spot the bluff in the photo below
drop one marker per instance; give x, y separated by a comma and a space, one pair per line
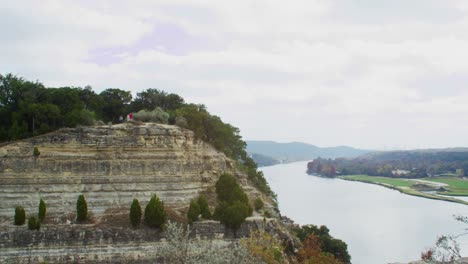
110, 165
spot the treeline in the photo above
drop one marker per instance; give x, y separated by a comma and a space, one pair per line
403, 164
29, 109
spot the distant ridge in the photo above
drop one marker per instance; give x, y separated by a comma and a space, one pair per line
298, 151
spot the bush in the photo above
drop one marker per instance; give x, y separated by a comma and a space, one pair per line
193, 211
264, 247
157, 116
42, 210
233, 204
33, 223
20, 216
81, 209
135, 213
154, 212
258, 204
36, 152
204, 208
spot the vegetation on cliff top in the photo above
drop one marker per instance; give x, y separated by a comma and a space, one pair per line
29, 109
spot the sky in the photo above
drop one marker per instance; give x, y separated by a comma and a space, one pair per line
371, 74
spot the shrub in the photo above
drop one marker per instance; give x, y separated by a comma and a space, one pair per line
154, 212
180, 121
20, 216
204, 208
193, 212
258, 204
264, 247
157, 116
42, 210
135, 213
33, 223
233, 204
81, 208
36, 152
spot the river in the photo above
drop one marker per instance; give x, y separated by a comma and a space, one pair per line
379, 225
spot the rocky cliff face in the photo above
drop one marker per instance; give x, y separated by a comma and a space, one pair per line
110, 165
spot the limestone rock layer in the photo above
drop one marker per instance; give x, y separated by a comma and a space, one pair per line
110, 165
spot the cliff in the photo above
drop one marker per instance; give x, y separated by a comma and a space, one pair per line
110, 165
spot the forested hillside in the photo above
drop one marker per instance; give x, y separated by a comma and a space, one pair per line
28, 108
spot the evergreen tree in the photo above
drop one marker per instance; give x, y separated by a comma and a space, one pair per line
135, 213
204, 208
42, 210
81, 208
154, 212
33, 223
20, 216
193, 212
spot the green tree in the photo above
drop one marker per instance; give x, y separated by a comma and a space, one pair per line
116, 103
36, 152
204, 208
33, 223
193, 211
258, 204
233, 204
135, 213
20, 216
81, 208
42, 210
155, 216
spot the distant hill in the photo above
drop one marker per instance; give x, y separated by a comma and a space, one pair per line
297, 151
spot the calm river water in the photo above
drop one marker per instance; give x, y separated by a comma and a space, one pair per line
379, 225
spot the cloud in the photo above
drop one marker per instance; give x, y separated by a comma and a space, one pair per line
326, 72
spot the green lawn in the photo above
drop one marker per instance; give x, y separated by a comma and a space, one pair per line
457, 186
385, 180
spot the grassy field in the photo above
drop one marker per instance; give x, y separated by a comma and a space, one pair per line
384, 180
456, 186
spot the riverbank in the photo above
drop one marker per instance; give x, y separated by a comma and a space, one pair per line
408, 186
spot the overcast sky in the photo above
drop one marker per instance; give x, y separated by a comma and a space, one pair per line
366, 73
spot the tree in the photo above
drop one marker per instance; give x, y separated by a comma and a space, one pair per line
20, 216
258, 204
135, 213
155, 216
204, 208
33, 223
81, 208
312, 253
36, 152
116, 103
193, 212
42, 210
233, 204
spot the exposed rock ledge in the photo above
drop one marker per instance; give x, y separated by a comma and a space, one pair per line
110, 165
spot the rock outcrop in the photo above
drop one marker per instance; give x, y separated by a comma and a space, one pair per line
110, 165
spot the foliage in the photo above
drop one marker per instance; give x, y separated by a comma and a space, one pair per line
403, 164
116, 103
155, 216
180, 249
33, 223
264, 247
204, 208
193, 211
258, 204
157, 116
233, 204
311, 252
42, 210
20, 216
81, 208
135, 213
29, 109
36, 152
328, 244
